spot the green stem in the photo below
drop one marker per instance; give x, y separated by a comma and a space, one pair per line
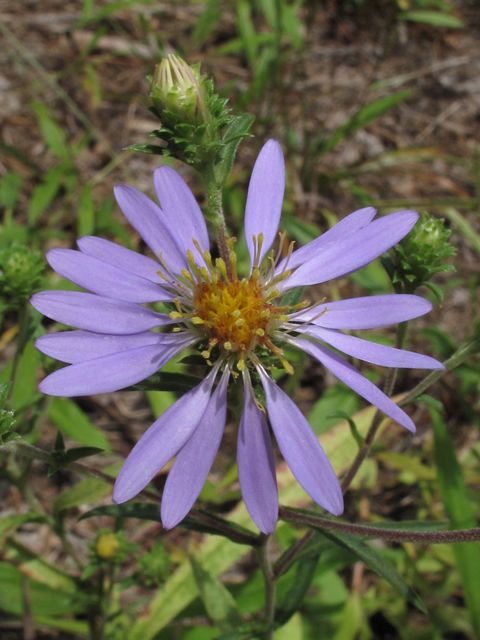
23, 318
421, 537
213, 192
270, 587
377, 418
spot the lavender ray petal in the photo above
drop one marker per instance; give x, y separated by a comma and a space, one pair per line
155, 229
351, 223
301, 449
79, 346
110, 373
353, 252
104, 279
371, 351
98, 314
194, 460
369, 312
162, 441
354, 379
178, 203
120, 257
265, 197
256, 467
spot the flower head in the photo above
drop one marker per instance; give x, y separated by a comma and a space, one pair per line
178, 89
235, 321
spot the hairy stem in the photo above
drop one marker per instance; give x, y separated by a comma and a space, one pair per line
268, 578
423, 537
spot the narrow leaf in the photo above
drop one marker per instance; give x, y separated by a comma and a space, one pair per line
72, 421
295, 595
218, 601
435, 18
237, 130
378, 564
461, 513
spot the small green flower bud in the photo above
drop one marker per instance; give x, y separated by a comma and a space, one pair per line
176, 88
20, 274
419, 255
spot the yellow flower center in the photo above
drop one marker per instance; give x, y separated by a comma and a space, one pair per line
235, 312
236, 315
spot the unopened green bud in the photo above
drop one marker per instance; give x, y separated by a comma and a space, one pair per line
20, 274
178, 89
419, 255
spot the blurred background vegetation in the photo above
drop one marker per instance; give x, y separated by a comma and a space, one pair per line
375, 102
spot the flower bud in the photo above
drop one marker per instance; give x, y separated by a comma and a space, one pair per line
176, 88
20, 274
419, 255
108, 546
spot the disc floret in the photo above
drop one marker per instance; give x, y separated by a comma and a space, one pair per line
234, 315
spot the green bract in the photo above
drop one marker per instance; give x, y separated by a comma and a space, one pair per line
416, 259
20, 275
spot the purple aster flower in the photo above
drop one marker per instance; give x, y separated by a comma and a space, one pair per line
236, 322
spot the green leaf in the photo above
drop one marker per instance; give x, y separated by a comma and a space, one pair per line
436, 290
293, 630
377, 563
337, 396
168, 381
235, 133
435, 18
86, 213
43, 196
10, 186
71, 420
428, 400
52, 133
149, 511
351, 621
207, 22
25, 385
45, 601
4, 389
461, 513
77, 453
363, 117
291, 24
295, 595
247, 31
218, 601
84, 492
9, 524
351, 422
154, 149
59, 442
